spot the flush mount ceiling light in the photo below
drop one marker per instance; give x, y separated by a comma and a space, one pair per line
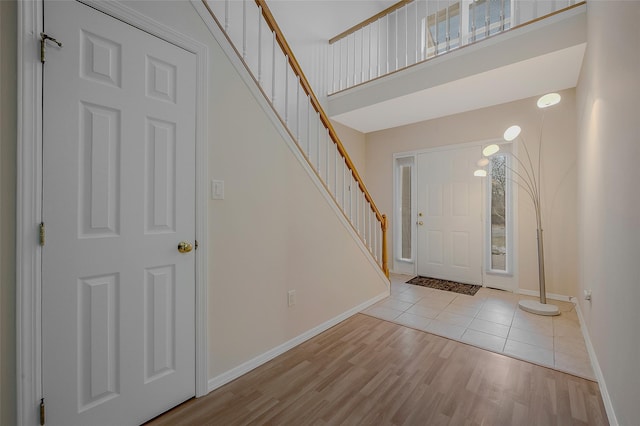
482, 162
489, 150
511, 133
480, 173
548, 100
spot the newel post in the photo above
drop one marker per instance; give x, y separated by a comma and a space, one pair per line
385, 255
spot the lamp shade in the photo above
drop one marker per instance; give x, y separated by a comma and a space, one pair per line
511, 133
480, 173
482, 162
490, 150
548, 100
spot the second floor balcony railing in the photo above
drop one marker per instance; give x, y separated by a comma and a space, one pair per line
413, 31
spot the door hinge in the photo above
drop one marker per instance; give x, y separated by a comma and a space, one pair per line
42, 412
42, 230
43, 41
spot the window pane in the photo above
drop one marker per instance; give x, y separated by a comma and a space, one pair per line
498, 213
405, 210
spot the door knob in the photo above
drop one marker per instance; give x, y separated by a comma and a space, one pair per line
420, 223
185, 247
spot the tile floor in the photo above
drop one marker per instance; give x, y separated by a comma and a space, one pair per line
490, 320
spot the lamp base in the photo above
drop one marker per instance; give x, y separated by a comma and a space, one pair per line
538, 308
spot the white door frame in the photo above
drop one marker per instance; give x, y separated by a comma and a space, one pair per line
29, 195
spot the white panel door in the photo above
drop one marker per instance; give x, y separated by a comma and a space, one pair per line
450, 216
118, 184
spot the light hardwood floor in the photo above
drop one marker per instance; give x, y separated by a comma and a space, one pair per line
366, 371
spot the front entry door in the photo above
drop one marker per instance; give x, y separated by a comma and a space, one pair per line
118, 196
450, 216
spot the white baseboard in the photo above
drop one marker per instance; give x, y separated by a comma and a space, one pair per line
606, 399
247, 366
551, 296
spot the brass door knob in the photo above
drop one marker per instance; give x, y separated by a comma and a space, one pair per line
185, 247
421, 223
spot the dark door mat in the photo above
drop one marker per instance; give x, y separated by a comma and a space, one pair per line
453, 286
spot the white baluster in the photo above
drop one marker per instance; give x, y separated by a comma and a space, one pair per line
397, 36
286, 90
355, 68
369, 67
362, 55
387, 39
347, 84
426, 29
344, 186
358, 210
333, 69
335, 171
375, 239
417, 32
318, 126
435, 18
273, 69
244, 30
260, 45
308, 126
226, 16
406, 35
369, 227
298, 112
379, 58
340, 65
460, 41
329, 142
351, 197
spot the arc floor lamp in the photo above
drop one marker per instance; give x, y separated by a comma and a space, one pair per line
528, 179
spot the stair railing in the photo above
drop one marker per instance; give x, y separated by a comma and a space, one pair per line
413, 31
256, 38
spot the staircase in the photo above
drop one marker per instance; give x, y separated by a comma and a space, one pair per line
258, 42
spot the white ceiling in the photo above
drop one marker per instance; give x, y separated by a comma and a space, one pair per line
323, 19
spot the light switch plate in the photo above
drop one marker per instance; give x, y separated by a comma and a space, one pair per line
217, 189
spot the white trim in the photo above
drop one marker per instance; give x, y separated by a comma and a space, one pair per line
253, 363
28, 209
408, 266
286, 136
552, 296
604, 392
29, 191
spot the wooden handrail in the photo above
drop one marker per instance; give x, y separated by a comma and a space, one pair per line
271, 22
368, 21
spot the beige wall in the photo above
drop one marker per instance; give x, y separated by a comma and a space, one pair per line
355, 144
8, 108
609, 198
559, 173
